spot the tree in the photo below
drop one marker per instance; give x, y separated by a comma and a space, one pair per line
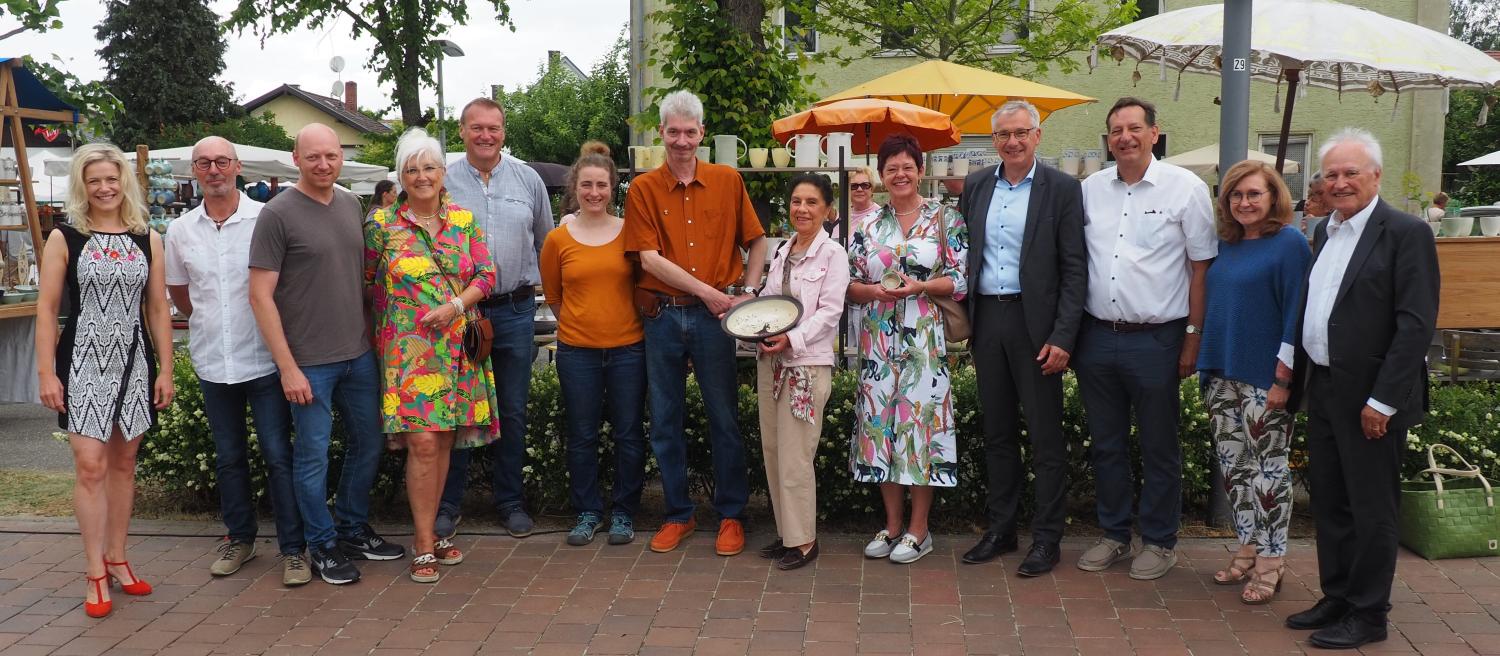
161, 58
262, 131
548, 120
403, 30
38, 15
98, 109
1477, 23
1015, 37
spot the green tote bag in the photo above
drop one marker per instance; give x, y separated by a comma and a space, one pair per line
1456, 518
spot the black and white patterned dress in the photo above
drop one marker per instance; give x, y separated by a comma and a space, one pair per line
105, 358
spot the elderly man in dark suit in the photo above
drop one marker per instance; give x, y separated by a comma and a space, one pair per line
1368, 318
1028, 267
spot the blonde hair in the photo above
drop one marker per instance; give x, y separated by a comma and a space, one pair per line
875, 183
132, 207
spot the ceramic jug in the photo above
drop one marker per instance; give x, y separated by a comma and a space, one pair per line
805, 150
728, 149
838, 148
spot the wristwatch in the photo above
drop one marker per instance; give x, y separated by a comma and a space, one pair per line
750, 289
1193, 330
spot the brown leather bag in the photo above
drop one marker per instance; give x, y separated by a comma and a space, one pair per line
956, 327
479, 334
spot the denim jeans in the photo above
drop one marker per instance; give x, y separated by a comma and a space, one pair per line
675, 337
1120, 374
224, 404
593, 381
353, 386
511, 355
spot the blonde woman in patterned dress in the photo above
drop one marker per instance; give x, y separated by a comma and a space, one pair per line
110, 370
426, 262
904, 438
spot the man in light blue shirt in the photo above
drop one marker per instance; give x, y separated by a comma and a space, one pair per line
1028, 266
511, 205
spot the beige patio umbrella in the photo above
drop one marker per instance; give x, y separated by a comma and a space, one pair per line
1205, 160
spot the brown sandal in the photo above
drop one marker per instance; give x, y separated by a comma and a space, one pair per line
446, 553
1258, 592
1234, 573
424, 569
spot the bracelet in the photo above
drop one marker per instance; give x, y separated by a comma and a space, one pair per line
458, 302
1283, 383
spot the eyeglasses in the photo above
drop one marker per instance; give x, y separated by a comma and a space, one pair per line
1253, 197
426, 170
1004, 136
860, 186
203, 163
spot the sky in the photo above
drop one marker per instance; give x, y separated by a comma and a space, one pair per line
583, 30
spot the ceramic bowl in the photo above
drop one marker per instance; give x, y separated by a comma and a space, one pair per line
1458, 226
1489, 226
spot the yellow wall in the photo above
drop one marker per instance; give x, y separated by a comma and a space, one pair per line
293, 114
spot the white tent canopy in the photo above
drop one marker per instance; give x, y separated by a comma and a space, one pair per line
1205, 160
1492, 159
258, 164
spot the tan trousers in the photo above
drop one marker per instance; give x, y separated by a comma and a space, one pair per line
790, 446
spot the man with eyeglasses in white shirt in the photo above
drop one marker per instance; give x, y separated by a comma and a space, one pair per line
208, 277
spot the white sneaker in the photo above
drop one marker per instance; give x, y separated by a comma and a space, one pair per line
908, 551
880, 547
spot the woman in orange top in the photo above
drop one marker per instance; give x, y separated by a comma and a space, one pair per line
601, 362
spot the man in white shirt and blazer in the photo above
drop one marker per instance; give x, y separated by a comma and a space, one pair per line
1369, 315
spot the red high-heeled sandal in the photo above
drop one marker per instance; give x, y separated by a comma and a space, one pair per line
137, 587
97, 609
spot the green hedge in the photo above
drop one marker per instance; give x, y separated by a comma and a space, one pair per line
178, 454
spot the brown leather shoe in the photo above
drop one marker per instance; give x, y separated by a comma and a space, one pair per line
671, 534
731, 537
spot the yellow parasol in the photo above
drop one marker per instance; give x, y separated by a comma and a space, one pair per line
969, 95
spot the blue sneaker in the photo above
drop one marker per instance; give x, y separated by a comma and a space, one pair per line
583, 532
621, 530
517, 523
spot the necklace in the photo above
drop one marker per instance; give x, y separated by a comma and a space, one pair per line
421, 217
907, 212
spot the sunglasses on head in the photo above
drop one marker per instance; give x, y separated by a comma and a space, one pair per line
860, 186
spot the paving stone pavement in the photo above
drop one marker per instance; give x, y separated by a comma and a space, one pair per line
540, 596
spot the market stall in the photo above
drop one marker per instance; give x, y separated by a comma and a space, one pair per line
24, 102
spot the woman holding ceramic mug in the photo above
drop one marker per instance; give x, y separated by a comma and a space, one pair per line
794, 370
1254, 290
905, 440
110, 369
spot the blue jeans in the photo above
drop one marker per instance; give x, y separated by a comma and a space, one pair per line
353, 386
673, 338
593, 380
224, 404
1121, 373
511, 355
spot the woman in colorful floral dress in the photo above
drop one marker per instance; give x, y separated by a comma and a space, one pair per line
904, 438
426, 262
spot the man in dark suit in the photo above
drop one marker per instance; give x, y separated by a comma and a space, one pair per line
1368, 318
1028, 272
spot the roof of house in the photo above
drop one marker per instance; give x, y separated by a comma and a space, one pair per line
332, 106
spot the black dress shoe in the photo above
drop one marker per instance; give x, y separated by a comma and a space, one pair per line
773, 551
1042, 557
990, 546
1349, 633
1327, 612
794, 558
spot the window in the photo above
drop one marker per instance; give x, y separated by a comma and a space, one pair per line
1149, 8
895, 40
796, 37
1296, 151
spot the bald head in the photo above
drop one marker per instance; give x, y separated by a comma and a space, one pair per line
318, 157
215, 166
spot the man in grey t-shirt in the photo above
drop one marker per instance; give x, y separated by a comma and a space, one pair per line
307, 293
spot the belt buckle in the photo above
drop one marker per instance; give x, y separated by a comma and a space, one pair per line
1115, 324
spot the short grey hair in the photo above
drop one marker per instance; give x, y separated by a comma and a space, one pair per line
1357, 136
1317, 178
414, 143
1013, 106
681, 104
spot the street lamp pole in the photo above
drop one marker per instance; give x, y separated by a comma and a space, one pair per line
448, 49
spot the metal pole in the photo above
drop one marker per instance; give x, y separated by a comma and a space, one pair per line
442, 127
1234, 133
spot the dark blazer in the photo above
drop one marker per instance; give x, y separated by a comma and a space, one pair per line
1054, 259
1383, 316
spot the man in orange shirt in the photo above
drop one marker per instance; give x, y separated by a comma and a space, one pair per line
686, 222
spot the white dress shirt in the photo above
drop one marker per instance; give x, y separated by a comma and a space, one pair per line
223, 340
1323, 286
1140, 238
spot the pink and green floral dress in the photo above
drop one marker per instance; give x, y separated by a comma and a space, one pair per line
904, 431
428, 383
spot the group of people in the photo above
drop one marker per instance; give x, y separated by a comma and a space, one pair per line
1136, 278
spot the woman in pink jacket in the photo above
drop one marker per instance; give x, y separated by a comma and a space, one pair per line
795, 369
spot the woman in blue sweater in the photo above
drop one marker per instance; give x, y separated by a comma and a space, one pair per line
1245, 359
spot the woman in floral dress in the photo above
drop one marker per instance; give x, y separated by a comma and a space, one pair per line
904, 438
425, 263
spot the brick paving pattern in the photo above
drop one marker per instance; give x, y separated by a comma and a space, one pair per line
540, 596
